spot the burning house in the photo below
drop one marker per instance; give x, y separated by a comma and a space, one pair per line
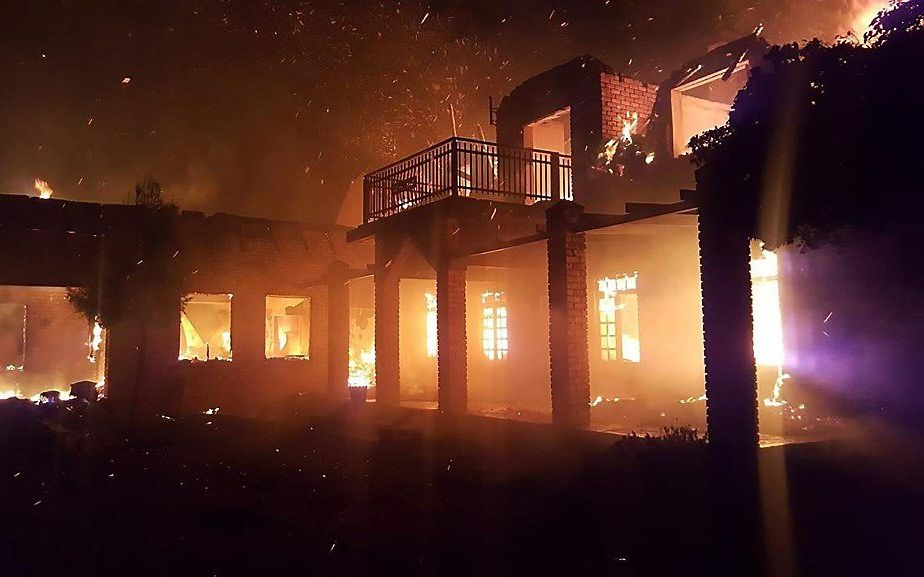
555, 275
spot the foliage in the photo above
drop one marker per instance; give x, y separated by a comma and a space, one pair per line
682, 434
141, 273
823, 137
671, 434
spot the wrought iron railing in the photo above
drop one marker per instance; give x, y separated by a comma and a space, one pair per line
465, 167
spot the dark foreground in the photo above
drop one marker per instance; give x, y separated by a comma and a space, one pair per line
339, 495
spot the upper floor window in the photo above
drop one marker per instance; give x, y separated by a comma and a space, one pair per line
205, 327
702, 103
550, 133
288, 327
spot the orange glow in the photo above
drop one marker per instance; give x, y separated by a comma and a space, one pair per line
205, 328
362, 367
287, 327
862, 14
431, 325
495, 343
618, 315
765, 299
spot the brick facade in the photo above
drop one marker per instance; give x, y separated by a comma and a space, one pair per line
246, 257
568, 317
387, 306
451, 340
598, 100
731, 373
619, 96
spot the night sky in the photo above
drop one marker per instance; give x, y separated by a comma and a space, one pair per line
271, 108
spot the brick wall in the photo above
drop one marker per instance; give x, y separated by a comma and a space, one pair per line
56, 243
598, 100
250, 259
621, 95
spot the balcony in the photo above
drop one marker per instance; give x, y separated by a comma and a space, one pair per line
467, 168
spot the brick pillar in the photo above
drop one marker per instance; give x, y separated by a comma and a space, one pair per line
731, 373
387, 298
338, 329
450, 331
568, 316
731, 390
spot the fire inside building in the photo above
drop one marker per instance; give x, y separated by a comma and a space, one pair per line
555, 275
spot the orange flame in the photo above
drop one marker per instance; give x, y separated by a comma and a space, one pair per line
43, 188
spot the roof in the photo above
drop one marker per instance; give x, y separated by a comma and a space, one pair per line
724, 58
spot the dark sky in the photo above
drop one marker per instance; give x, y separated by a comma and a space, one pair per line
271, 108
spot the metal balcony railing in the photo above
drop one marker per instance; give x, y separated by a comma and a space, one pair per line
466, 167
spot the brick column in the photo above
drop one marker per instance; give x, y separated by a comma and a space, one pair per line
731, 390
728, 334
568, 316
387, 299
338, 329
450, 331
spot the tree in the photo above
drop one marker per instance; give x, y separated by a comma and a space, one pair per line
824, 137
141, 272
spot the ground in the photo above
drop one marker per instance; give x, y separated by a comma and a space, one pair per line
355, 493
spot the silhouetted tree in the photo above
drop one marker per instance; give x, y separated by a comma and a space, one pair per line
824, 137
141, 273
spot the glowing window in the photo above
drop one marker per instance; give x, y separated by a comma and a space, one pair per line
288, 327
12, 337
205, 327
431, 324
765, 300
617, 308
494, 325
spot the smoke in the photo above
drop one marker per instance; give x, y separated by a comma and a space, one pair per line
272, 108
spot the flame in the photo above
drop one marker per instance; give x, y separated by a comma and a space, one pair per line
609, 151
43, 188
96, 339
10, 394
690, 400
362, 368
765, 298
777, 400
628, 126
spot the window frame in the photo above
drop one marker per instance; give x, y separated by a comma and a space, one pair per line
230, 332
616, 323
267, 320
495, 347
